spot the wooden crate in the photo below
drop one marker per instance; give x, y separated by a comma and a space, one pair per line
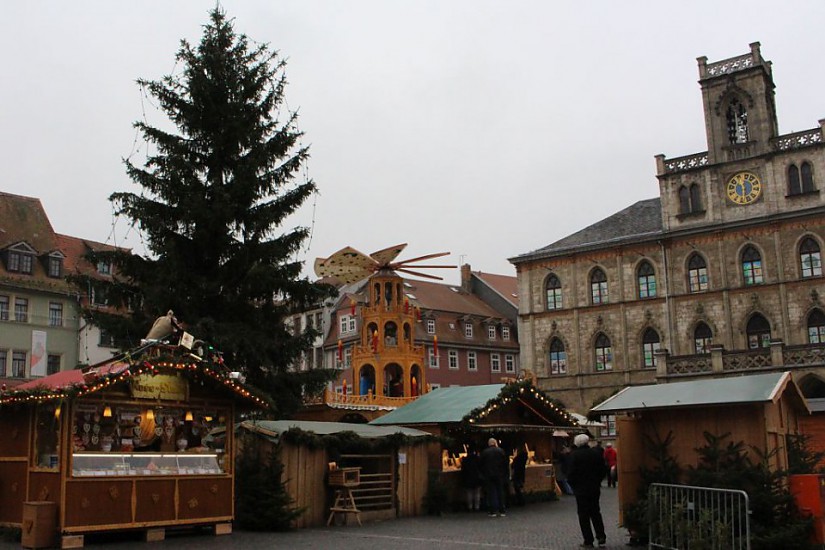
39, 524
345, 477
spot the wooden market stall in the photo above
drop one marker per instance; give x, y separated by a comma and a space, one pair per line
759, 410
516, 414
391, 466
125, 444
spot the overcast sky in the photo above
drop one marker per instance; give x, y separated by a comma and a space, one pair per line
486, 129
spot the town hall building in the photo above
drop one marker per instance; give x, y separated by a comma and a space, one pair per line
720, 275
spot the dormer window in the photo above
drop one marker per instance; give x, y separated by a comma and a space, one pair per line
104, 267
20, 262
55, 269
468, 330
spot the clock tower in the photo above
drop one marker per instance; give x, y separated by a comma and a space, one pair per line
740, 111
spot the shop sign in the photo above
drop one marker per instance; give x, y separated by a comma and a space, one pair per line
160, 386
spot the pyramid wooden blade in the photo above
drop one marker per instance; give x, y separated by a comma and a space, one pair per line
418, 274
425, 257
386, 255
401, 265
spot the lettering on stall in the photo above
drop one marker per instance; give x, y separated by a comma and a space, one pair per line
160, 386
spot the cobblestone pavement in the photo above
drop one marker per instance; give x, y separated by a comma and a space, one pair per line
546, 525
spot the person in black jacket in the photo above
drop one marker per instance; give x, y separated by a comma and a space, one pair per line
587, 469
519, 473
495, 470
471, 479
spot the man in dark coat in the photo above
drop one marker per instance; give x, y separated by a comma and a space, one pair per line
494, 468
587, 469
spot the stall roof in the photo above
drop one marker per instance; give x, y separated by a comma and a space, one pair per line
442, 405
718, 391
272, 429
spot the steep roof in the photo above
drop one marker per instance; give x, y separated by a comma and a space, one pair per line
640, 220
24, 219
444, 405
737, 390
505, 285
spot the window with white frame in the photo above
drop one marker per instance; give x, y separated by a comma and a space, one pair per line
505, 333
491, 332
55, 314
509, 363
495, 362
104, 267
20, 262
452, 359
345, 360
609, 429
21, 310
18, 364
347, 324
430, 326
99, 295
433, 358
468, 330
55, 267
472, 361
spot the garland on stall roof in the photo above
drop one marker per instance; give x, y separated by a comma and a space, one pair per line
351, 442
211, 366
514, 391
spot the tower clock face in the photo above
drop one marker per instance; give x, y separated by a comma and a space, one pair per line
744, 188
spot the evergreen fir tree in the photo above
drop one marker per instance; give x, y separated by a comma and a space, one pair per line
215, 191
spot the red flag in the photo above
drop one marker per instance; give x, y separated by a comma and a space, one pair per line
340, 351
435, 346
352, 307
417, 313
406, 306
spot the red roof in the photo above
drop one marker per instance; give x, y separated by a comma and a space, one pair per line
506, 285
69, 378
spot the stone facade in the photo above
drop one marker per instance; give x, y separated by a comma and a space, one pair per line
738, 221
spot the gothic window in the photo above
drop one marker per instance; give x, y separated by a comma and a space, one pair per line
697, 274
604, 353
647, 280
737, 117
759, 332
751, 266
650, 344
810, 258
598, 287
558, 357
816, 327
684, 200
695, 198
807, 177
794, 188
702, 338
553, 289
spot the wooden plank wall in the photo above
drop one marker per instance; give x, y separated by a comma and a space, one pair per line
412, 481
305, 479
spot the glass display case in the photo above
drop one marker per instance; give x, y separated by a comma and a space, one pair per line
145, 464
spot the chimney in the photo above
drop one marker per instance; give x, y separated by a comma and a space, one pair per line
466, 276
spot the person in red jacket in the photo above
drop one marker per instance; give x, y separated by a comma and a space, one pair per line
610, 458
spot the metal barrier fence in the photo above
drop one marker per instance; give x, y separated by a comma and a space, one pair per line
683, 517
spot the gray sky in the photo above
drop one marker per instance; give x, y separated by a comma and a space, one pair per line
486, 129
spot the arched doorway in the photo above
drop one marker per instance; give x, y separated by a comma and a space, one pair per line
366, 380
393, 380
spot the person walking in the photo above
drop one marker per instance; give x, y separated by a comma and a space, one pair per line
471, 479
564, 469
519, 474
494, 468
611, 460
587, 469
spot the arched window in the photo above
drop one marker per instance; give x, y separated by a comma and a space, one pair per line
737, 117
598, 287
553, 289
558, 357
684, 200
759, 332
794, 188
697, 274
751, 266
702, 338
816, 327
647, 280
807, 177
604, 353
809, 258
650, 344
695, 198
